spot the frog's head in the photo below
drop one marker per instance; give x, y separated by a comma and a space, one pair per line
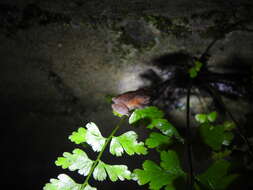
114, 99
120, 108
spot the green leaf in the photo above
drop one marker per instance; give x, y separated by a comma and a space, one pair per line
215, 136
198, 65
115, 147
114, 172
212, 116
228, 137
63, 162
108, 98
88, 187
153, 174
117, 114
94, 137
221, 155
201, 118
64, 182
156, 120
170, 162
193, 73
212, 135
99, 172
157, 176
128, 143
229, 125
76, 161
196, 187
170, 187
79, 136
91, 135
146, 113
166, 128
216, 176
157, 139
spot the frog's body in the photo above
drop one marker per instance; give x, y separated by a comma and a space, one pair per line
128, 101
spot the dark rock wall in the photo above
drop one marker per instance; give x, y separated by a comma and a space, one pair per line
59, 59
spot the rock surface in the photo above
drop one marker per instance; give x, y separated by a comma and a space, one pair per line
61, 58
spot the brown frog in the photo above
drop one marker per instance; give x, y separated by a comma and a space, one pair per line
128, 101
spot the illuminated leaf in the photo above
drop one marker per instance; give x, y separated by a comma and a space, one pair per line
79, 136
114, 172
88, 187
91, 135
156, 120
166, 128
127, 142
115, 147
99, 172
94, 137
64, 182
63, 162
159, 176
76, 161
216, 176
146, 113
212, 116
201, 118
157, 139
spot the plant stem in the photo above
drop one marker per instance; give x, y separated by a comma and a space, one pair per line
189, 146
102, 151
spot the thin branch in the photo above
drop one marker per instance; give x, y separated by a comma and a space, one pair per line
205, 53
202, 102
189, 145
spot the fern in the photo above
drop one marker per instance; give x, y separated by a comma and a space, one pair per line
215, 136
158, 176
79, 161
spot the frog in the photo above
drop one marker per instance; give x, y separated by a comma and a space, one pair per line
128, 101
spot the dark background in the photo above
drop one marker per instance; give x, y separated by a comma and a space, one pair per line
59, 58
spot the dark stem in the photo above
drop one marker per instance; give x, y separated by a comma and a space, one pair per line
205, 53
226, 30
189, 145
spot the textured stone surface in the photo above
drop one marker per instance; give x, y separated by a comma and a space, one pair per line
55, 75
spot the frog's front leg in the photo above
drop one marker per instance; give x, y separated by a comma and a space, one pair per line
120, 108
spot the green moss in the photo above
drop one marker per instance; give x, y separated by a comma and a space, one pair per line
176, 26
127, 39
